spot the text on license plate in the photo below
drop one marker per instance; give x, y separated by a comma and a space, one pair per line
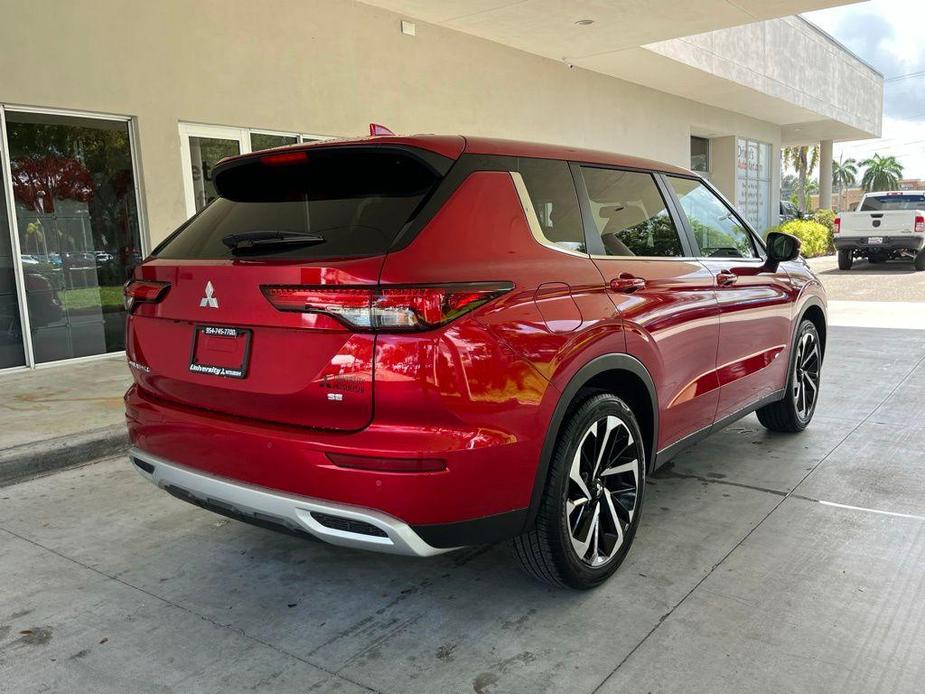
875, 240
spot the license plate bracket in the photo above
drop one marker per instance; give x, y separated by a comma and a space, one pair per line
220, 350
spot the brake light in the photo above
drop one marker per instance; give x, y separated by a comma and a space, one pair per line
838, 225
143, 292
359, 462
388, 308
283, 158
920, 225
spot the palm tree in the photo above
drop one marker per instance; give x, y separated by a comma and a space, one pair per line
844, 175
803, 160
881, 173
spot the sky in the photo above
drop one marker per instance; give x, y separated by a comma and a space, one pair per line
890, 36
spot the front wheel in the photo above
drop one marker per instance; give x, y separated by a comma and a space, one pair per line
845, 260
795, 410
593, 498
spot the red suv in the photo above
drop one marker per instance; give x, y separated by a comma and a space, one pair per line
412, 344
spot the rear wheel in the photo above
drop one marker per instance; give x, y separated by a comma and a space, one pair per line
795, 410
591, 505
845, 260
920, 260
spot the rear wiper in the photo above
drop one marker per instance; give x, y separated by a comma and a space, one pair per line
271, 237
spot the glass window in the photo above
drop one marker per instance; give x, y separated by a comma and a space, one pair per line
260, 141
74, 196
205, 153
700, 154
348, 203
552, 192
630, 214
753, 181
892, 202
716, 229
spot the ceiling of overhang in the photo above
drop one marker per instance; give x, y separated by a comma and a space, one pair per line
548, 28
613, 44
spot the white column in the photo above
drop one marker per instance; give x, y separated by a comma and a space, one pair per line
825, 174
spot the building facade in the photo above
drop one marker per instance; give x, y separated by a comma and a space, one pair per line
112, 114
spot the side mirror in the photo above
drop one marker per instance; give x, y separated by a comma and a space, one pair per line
781, 248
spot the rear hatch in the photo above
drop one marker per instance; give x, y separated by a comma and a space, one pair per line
213, 324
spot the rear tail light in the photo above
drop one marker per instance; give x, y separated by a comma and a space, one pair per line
143, 292
360, 462
388, 308
838, 225
920, 225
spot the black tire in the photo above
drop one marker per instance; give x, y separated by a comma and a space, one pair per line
790, 414
845, 260
920, 260
549, 551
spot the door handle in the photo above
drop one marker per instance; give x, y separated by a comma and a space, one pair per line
627, 283
725, 278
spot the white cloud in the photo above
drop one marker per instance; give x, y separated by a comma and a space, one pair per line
888, 35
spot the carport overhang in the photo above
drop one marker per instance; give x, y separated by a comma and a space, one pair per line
746, 56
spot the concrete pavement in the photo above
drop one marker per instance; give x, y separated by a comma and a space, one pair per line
745, 576
62, 415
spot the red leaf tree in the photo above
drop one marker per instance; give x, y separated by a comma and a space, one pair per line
38, 182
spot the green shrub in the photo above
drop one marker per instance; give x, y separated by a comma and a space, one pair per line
826, 218
813, 235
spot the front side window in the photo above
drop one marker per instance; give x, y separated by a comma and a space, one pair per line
630, 213
718, 232
552, 192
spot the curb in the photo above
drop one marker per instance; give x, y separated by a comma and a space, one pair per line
39, 458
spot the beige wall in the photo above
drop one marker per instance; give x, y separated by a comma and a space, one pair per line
320, 66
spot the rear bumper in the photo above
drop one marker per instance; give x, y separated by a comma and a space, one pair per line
890, 243
480, 497
337, 524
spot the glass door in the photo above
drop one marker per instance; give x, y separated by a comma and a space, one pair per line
76, 211
201, 148
12, 348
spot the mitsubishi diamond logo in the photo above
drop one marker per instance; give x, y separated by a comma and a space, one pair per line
209, 301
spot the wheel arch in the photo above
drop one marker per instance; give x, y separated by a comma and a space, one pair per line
815, 313
620, 374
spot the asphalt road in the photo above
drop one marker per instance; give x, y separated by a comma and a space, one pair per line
895, 280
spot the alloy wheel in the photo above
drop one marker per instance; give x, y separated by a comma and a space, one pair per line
603, 489
805, 384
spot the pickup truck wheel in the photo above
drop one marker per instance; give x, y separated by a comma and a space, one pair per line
845, 260
920, 260
795, 410
593, 498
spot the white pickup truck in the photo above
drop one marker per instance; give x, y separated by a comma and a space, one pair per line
886, 225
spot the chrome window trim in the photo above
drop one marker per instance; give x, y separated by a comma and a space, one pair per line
674, 258
533, 221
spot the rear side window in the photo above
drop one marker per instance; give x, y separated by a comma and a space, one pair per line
630, 213
552, 192
330, 203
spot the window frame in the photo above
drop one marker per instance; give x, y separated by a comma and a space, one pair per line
760, 248
593, 240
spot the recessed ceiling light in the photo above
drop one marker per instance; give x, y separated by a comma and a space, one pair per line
584, 22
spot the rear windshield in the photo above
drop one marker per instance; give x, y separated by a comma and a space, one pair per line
892, 202
350, 203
